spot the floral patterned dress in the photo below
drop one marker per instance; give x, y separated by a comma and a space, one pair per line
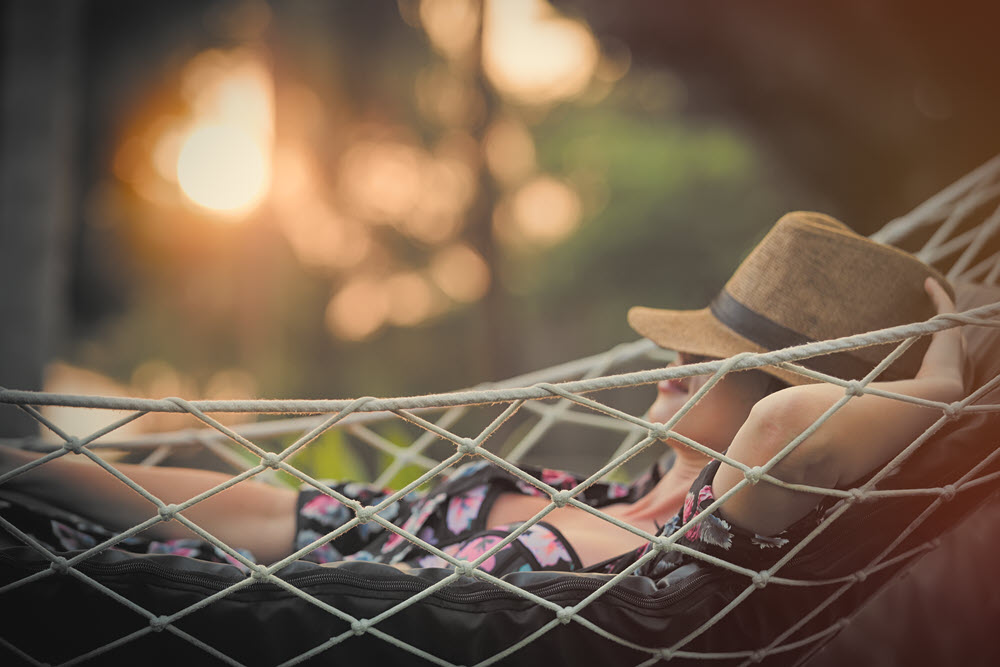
452, 517
715, 536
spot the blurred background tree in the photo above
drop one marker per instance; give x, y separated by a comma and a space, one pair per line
249, 198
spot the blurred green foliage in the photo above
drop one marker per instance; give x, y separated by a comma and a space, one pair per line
330, 456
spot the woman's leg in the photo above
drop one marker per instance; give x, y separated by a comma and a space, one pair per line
251, 515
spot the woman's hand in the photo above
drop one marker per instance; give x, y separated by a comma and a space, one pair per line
944, 357
866, 432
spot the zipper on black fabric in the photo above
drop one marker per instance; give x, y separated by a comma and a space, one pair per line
575, 584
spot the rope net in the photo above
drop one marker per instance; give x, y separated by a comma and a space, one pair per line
507, 424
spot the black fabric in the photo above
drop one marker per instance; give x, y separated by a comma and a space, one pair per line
470, 621
265, 625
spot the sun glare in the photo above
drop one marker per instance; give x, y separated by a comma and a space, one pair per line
534, 54
223, 155
223, 169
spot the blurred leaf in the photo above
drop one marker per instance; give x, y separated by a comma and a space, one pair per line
279, 476
331, 456
406, 475
399, 436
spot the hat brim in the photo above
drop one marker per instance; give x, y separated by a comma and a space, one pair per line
698, 332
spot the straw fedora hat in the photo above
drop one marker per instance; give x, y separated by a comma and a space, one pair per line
811, 278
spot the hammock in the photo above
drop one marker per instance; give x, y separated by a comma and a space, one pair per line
102, 604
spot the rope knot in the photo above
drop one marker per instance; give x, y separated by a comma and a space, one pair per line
365, 514
561, 498
753, 474
60, 565
467, 446
73, 445
947, 492
259, 573
667, 654
167, 512
463, 568
360, 626
860, 576
565, 615
270, 460
854, 388
953, 410
659, 432
756, 656
857, 496
157, 623
660, 544
761, 579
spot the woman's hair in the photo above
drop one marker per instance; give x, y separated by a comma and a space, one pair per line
769, 382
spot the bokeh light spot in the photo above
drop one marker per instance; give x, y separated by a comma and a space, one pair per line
322, 238
381, 179
535, 55
450, 24
223, 169
542, 212
447, 189
358, 310
461, 273
411, 299
510, 150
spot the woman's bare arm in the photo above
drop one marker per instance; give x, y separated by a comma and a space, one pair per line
252, 515
863, 435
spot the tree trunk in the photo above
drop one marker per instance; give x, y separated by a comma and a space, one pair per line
38, 193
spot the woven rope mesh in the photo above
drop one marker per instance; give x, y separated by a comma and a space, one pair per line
419, 438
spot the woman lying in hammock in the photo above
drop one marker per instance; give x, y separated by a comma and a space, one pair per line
811, 278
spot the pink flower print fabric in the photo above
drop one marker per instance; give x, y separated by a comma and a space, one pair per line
547, 547
326, 510
476, 547
717, 537
529, 490
433, 560
450, 518
464, 508
180, 547
468, 469
70, 538
537, 548
688, 506
423, 510
559, 479
617, 490
705, 496
712, 529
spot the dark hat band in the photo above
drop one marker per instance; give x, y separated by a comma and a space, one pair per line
771, 335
